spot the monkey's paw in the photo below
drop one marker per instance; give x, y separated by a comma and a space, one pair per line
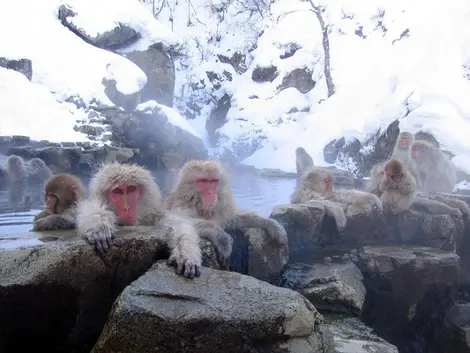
456, 212
223, 247
277, 232
40, 225
185, 266
101, 239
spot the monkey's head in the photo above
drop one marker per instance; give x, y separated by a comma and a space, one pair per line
129, 190
405, 139
62, 190
299, 151
395, 170
203, 182
37, 163
15, 163
421, 148
318, 180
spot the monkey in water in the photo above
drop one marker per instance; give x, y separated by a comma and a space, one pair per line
39, 172
127, 195
436, 172
398, 187
302, 161
202, 192
402, 151
62, 192
17, 176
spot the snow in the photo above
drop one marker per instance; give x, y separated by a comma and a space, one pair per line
38, 114
173, 116
129, 79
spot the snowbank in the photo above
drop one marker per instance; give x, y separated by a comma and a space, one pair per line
29, 109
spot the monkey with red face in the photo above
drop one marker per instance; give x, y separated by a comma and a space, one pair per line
62, 192
202, 192
127, 195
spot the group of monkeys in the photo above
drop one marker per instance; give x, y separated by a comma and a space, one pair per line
414, 175
200, 204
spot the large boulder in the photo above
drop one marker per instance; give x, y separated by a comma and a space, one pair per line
23, 66
56, 292
408, 292
218, 312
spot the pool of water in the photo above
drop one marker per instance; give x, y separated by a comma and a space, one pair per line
251, 192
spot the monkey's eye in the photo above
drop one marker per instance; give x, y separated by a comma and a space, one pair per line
202, 180
213, 181
131, 188
117, 191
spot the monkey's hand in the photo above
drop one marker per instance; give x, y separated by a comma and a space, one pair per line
40, 215
223, 243
184, 244
456, 212
96, 224
277, 232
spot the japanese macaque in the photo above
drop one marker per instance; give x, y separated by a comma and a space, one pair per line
123, 194
455, 203
202, 192
62, 192
317, 185
398, 187
402, 151
39, 172
435, 171
376, 175
17, 178
302, 161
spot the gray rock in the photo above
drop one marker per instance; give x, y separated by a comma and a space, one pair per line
159, 68
456, 329
128, 102
218, 117
23, 66
300, 79
119, 36
334, 288
55, 291
352, 336
264, 74
219, 312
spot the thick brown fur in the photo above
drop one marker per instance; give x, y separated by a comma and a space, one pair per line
398, 187
436, 172
376, 175
17, 176
39, 172
403, 153
302, 161
186, 198
97, 222
68, 190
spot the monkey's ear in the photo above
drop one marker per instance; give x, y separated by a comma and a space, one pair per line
75, 192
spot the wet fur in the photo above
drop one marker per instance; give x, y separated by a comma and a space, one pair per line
185, 198
97, 223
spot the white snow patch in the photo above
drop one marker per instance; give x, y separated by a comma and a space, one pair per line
173, 116
29, 109
129, 79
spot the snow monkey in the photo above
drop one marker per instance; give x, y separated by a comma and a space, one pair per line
436, 172
317, 184
123, 194
402, 151
17, 176
376, 175
62, 192
202, 191
39, 172
397, 187
302, 160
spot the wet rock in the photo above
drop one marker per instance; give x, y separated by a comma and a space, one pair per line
55, 293
264, 74
455, 332
23, 66
276, 173
408, 290
300, 79
218, 312
119, 36
334, 287
159, 68
87, 164
351, 335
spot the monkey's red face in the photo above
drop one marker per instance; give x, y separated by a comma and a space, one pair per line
208, 189
124, 199
328, 185
51, 202
414, 152
404, 142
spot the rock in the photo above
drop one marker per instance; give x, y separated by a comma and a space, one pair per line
217, 117
264, 74
334, 288
128, 102
300, 79
218, 312
3, 177
276, 173
408, 288
290, 50
455, 333
159, 68
352, 336
309, 228
65, 159
55, 294
87, 164
237, 61
119, 36
23, 66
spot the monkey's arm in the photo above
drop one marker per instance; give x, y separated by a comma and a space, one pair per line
222, 241
96, 223
40, 215
337, 213
364, 199
183, 242
251, 220
47, 221
436, 207
456, 203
